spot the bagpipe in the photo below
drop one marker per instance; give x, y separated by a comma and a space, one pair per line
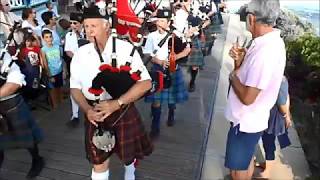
6, 103
161, 78
4, 74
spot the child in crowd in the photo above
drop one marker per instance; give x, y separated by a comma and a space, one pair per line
53, 64
30, 63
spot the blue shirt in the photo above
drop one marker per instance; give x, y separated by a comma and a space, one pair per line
276, 123
54, 59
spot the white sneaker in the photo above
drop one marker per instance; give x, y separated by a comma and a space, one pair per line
129, 172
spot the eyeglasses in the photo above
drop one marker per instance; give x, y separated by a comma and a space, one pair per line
248, 12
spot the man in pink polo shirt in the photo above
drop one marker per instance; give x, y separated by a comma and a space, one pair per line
255, 83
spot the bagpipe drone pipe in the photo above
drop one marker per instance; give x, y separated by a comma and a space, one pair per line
4, 74
8, 104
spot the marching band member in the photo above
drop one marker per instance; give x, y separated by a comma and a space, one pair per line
208, 9
70, 47
132, 142
177, 93
18, 128
184, 18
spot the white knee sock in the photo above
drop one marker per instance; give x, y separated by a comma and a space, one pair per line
75, 108
129, 172
100, 175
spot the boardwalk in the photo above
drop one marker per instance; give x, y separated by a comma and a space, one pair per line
178, 152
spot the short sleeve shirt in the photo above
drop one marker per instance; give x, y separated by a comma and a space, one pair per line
153, 40
36, 29
71, 42
53, 58
86, 62
283, 92
33, 55
14, 75
262, 68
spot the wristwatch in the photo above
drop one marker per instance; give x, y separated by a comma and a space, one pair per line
121, 104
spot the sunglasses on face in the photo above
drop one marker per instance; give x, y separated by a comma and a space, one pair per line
244, 14
74, 23
184, 1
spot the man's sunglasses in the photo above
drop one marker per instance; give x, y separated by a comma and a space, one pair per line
74, 23
243, 14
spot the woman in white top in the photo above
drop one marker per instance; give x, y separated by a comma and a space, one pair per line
29, 20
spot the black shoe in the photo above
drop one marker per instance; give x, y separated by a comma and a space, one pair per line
36, 168
73, 123
192, 87
170, 121
204, 51
1, 158
154, 134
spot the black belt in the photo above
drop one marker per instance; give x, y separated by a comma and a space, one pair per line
8, 97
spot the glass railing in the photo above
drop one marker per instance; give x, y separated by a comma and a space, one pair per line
19, 4
37, 2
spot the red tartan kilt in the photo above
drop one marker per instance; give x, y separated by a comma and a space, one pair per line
132, 140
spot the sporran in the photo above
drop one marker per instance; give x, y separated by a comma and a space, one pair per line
104, 139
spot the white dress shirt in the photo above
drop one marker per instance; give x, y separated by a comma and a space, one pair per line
71, 42
153, 40
86, 62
